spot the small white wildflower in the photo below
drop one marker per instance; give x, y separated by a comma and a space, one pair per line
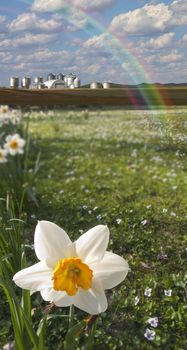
168, 292
149, 206
174, 188
153, 321
95, 208
173, 214
149, 334
144, 222
89, 211
147, 292
99, 217
118, 221
134, 153
136, 300
61, 191
84, 207
33, 216
165, 210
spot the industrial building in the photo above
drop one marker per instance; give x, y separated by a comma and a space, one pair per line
54, 81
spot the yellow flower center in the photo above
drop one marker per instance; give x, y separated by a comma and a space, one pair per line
70, 274
4, 110
13, 144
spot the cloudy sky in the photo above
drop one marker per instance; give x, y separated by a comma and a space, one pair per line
124, 41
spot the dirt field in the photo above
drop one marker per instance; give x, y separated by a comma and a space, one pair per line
85, 96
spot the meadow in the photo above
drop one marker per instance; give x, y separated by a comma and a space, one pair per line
80, 168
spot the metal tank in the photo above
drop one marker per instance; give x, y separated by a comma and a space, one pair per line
38, 80
77, 82
106, 85
70, 80
26, 82
60, 76
72, 86
14, 82
94, 85
51, 76
41, 86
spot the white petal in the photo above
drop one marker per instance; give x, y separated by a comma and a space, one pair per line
111, 270
58, 298
35, 277
92, 245
50, 242
93, 301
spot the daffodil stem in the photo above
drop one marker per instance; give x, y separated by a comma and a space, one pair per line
71, 316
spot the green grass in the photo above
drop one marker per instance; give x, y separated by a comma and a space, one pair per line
100, 166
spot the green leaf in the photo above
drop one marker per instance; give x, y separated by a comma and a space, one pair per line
72, 334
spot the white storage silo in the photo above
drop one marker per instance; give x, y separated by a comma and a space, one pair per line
77, 82
26, 82
14, 82
94, 85
38, 80
51, 76
70, 80
60, 76
106, 85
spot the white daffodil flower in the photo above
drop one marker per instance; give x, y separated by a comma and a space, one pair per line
14, 144
73, 273
4, 114
3, 154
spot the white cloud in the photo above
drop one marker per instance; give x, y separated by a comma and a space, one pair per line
77, 21
96, 42
56, 5
179, 9
27, 41
142, 21
160, 42
93, 68
158, 18
31, 22
173, 56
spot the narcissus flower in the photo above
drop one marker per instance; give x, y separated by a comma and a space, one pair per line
14, 144
69, 272
3, 154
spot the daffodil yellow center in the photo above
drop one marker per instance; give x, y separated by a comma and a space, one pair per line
71, 274
13, 144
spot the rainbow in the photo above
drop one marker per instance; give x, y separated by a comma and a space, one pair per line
121, 53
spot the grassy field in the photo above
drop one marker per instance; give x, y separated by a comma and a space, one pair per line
126, 169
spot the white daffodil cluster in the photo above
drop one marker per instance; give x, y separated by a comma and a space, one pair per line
73, 273
13, 145
9, 116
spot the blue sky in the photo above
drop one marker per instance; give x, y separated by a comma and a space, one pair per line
106, 40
